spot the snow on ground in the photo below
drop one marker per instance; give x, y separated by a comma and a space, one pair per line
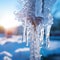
7, 58
6, 53
54, 45
22, 50
12, 39
54, 48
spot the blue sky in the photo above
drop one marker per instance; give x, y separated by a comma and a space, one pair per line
7, 6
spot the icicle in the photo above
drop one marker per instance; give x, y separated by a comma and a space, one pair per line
48, 19
24, 36
34, 45
38, 8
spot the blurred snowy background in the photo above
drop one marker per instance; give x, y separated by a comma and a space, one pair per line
13, 49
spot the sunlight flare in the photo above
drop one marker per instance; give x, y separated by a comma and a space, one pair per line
8, 21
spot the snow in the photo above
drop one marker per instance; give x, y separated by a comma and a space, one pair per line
22, 50
13, 39
54, 45
7, 58
6, 53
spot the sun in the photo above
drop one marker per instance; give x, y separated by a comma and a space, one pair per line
8, 21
